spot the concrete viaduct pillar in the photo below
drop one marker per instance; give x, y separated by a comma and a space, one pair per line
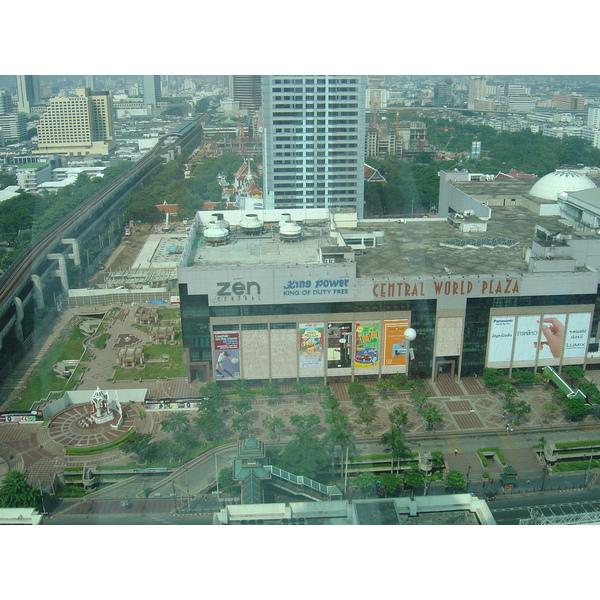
62, 270
19, 321
38, 294
75, 255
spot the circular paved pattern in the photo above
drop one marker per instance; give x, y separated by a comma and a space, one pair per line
67, 427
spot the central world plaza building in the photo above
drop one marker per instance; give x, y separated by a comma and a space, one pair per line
505, 277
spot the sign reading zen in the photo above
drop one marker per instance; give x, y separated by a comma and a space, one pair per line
237, 288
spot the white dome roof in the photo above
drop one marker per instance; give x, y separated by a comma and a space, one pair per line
551, 185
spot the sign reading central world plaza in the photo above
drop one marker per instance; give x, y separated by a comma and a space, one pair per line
338, 283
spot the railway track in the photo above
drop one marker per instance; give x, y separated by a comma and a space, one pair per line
38, 249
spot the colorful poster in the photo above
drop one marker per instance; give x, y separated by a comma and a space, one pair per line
311, 345
501, 339
577, 333
339, 345
227, 355
394, 342
367, 346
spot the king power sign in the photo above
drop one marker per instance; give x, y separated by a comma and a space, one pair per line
292, 286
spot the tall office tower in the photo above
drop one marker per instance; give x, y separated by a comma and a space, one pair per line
6, 103
77, 125
89, 82
14, 127
246, 89
28, 92
593, 118
152, 92
477, 90
314, 141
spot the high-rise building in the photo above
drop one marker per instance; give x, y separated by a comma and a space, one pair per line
246, 89
6, 103
477, 90
593, 118
152, 92
14, 127
28, 92
314, 141
77, 125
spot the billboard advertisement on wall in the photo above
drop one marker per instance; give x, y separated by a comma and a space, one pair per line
226, 355
543, 339
311, 345
502, 331
339, 345
366, 355
576, 336
394, 342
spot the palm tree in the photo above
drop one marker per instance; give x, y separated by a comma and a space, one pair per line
394, 439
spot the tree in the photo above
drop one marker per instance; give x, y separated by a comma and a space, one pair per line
365, 481
543, 443
241, 425
433, 417
273, 424
304, 456
419, 396
398, 417
575, 373
16, 492
175, 422
270, 390
576, 408
304, 424
384, 386
242, 388
389, 483
455, 480
212, 391
394, 439
226, 482
140, 444
413, 478
210, 424
518, 409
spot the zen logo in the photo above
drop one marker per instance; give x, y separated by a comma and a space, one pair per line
239, 288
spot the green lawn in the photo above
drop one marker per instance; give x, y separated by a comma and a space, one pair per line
174, 367
43, 379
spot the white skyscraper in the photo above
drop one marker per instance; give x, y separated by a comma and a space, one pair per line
593, 118
314, 141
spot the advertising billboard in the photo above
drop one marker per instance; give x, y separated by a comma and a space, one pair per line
366, 355
226, 355
502, 330
577, 333
339, 345
542, 339
311, 345
394, 342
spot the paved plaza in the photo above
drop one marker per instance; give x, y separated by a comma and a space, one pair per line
471, 414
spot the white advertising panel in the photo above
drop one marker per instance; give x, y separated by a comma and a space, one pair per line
501, 339
576, 337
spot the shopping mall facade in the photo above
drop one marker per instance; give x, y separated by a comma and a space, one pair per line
323, 297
